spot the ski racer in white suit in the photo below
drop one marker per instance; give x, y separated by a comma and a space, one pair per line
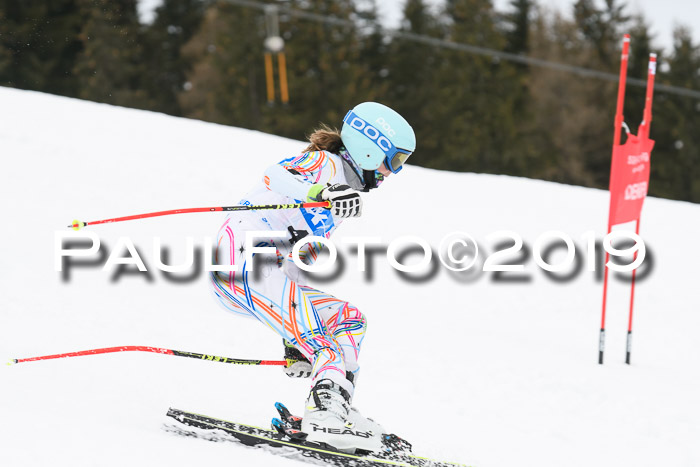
323, 334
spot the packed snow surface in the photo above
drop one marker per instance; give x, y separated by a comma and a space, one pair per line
476, 368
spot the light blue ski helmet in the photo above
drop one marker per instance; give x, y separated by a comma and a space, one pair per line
373, 133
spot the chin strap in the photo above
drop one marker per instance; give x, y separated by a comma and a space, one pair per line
370, 180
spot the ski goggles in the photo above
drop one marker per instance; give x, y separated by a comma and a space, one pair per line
396, 161
394, 158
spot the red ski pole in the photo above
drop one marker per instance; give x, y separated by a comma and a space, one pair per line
77, 225
143, 348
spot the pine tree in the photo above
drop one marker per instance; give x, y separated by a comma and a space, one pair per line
227, 81
675, 162
475, 93
521, 156
374, 50
601, 30
39, 45
601, 27
110, 67
6, 50
327, 66
175, 23
562, 115
518, 34
411, 88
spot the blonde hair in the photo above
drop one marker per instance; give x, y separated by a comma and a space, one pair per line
325, 138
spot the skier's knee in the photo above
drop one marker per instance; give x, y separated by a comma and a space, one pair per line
358, 321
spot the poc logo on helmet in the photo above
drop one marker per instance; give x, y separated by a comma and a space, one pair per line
372, 133
386, 127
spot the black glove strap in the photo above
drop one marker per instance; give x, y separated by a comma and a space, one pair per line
296, 235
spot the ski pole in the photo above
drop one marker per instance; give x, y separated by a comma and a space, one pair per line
142, 348
77, 225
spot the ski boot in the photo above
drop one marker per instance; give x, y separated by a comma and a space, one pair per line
328, 420
289, 425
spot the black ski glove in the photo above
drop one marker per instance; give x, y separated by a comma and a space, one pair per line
298, 366
345, 202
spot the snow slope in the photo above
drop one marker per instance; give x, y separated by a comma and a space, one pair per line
469, 369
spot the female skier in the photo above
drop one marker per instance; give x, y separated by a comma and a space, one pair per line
374, 142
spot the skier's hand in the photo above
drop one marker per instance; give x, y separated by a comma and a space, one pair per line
298, 366
298, 370
345, 202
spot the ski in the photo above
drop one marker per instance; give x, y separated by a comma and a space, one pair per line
280, 443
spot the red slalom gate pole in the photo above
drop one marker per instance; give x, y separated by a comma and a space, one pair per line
77, 225
643, 133
651, 74
619, 118
601, 339
629, 325
143, 348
